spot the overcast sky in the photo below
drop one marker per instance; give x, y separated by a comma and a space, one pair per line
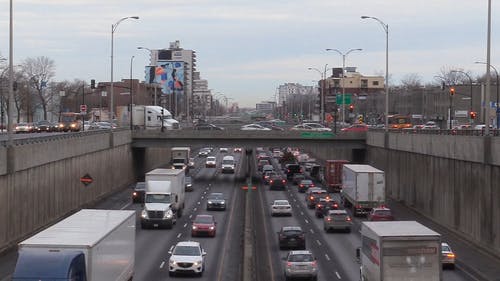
245, 49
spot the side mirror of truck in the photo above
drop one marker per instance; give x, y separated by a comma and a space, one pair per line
203, 253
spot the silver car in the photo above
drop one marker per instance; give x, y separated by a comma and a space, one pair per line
337, 219
300, 264
281, 208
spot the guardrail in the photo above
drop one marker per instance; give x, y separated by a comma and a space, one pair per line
454, 132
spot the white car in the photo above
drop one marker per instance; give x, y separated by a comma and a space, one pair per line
254, 127
317, 127
431, 125
281, 207
186, 257
223, 149
211, 162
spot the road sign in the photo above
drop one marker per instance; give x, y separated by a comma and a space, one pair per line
347, 99
86, 179
316, 135
83, 108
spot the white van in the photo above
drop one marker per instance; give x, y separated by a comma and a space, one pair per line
228, 164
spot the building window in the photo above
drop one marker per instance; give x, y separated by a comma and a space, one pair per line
375, 83
364, 83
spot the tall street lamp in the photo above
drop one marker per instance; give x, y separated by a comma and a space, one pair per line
386, 29
497, 105
470, 80
131, 95
113, 29
322, 92
343, 76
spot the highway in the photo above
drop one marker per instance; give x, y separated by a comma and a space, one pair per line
335, 252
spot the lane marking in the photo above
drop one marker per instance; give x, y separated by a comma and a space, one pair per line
198, 202
190, 216
185, 224
162, 264
202, 197
267, 241
126, 205
319, 243
306, 221
302, 213
195, 209
179, 235
312, 231
327, 257
338, 275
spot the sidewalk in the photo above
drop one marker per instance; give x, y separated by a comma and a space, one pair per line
470, 259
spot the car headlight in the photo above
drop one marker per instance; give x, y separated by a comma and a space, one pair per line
223, 202
210, 202
212, 228
194, 227
168, 214
189, 185
172, 262
196, 263
144, 214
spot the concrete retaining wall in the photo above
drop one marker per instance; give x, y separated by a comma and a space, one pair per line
446, 178
46, 183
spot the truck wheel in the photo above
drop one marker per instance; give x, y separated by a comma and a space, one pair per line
179, 213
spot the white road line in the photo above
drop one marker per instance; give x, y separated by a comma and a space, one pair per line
338, 275
319, 243
195, 209
190, 216
204, 192
327, 257
179, 235
125, 206
310, 230
306, 221
162, 264
198, 203
185, 224
302, 213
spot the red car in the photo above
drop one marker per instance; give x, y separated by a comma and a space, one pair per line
203, 225
380, 214
356, 128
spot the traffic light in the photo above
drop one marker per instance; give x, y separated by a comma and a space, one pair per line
452, 91
360, 119
351, 108
92, 83
472, 115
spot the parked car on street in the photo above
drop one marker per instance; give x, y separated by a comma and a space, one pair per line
291, 237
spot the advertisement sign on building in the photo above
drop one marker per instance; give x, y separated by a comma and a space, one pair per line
169, 74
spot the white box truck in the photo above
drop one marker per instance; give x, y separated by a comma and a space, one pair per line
363, 188
151, 116
163, 198
180, 157
399, 251
91, 245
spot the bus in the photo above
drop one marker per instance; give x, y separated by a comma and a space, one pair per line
70, 121
399, 121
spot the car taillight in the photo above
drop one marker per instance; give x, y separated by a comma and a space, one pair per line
301, 185
135, 193
318, 206
348, 219
328, 198
271, 181
311, 185
311, 198
328, 219
335, 205
283, 181
289, 264
450, 255
288, 171
314, 264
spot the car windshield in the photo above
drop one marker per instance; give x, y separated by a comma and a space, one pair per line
306, 182
157, 198
281, 203
187, 251
176, 161
339, 217
227, 162
215, 197
382, 213
140, 186
292, 231
203, 219
211, 159
300, 258
445, 248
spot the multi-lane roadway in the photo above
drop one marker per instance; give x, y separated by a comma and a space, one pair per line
335, 252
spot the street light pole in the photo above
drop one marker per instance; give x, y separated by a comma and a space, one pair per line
343, 77
131, 95
113, 29
386, 29
497, 107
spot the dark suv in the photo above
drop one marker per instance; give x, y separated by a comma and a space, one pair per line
291, 169
277, 182
323, 206
292, 237
314, 196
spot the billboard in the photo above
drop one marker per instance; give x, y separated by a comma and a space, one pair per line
169, 74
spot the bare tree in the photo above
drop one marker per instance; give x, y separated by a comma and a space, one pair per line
411, 81
39, 71
451, 77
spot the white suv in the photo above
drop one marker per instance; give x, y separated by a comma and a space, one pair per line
186, 257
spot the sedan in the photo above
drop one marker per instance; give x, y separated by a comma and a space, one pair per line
43, 126
356, 128
24, 128
237, 149
281, 207
291, 237
204, 153
211, 162
304, 185
380, 214
323, 206
254, 127
203, 225
223, 149
138, 193
447, 256
216, 201
208, 127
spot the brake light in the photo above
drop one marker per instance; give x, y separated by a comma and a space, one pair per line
314, 264
450, 255
335, 205
283, 181
271, 181
328, 219
135, 193
301, 185
311, 198
289, 264
348, 219
311, 185
327, 198
288, 171
358, 206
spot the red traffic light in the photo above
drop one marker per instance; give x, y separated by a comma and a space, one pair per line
452, 91
351, 108
472, 115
